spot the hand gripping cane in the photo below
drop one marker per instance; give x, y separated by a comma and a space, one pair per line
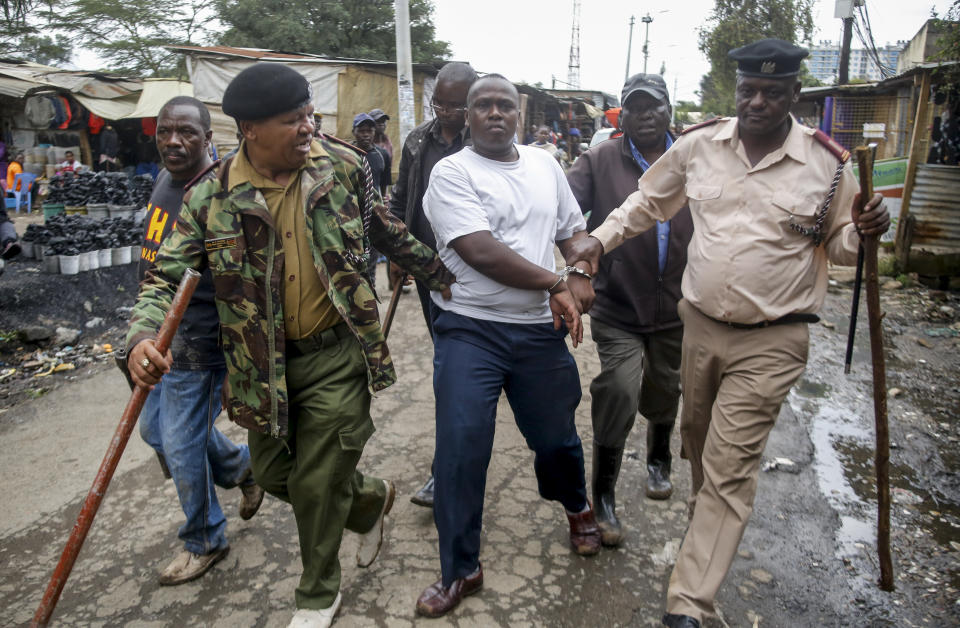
92, 503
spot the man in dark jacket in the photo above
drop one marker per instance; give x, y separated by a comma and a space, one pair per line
634, 318
427, 144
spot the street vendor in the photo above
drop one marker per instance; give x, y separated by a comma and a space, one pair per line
772, 201
285, 228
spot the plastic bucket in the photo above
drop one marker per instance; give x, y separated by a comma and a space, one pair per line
135, 252
52, 209
69, 264
122, 211
120, 255
51, 263
38, 251
26, 249
75, 209
105, 258
97, 211
83, 263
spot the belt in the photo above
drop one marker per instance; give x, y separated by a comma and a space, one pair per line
326, 338
783, 320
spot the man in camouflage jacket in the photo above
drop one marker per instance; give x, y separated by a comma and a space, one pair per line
287, 202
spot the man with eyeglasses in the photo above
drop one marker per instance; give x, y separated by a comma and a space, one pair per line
427, 144
634, 319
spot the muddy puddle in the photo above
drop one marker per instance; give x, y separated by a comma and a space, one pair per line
840, 421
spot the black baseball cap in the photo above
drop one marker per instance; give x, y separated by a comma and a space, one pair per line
651, 84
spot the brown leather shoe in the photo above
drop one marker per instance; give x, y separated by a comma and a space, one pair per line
584, 532
436, 601
252, 496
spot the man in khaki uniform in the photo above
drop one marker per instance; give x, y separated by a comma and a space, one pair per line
759, 189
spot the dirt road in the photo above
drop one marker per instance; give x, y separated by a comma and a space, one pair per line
807, 558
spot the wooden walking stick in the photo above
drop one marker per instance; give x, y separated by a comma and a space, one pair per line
120, 437
875, 316
392, 307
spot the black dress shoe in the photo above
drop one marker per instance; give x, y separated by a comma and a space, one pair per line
424, 497
679, 621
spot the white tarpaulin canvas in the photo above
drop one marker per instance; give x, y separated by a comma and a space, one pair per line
156, 92
210, 78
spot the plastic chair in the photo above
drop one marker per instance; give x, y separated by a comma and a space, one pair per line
23, 190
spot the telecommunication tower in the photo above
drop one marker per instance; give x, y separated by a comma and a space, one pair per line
573, 68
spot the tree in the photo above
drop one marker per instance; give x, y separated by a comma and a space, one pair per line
28, 45
131, 36
735, 23
948, 48
362, 29
20, 35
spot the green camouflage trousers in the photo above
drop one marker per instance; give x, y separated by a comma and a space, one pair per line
314, 467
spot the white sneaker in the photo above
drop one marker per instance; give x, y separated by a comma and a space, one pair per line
309, 618
370, 542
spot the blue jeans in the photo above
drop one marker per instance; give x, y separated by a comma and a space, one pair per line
473, 361
177, 421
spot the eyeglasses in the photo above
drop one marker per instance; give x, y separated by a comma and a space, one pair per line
444, 109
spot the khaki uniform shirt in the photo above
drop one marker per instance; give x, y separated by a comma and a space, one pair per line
745, 264
307, 309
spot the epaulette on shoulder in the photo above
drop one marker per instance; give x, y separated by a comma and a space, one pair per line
337, 140
192, 182
835, 148
703, 124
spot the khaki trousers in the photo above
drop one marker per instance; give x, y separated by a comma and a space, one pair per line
733, 381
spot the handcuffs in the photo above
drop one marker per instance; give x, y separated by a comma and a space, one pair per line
566, 272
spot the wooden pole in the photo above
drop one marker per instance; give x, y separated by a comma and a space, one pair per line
875, 316
120, 437
913, 159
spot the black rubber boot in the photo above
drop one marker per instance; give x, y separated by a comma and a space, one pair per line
606, 469
658, 461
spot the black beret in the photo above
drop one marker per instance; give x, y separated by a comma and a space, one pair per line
264, 90
769, 58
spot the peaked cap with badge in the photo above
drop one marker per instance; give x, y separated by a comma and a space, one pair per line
769, 58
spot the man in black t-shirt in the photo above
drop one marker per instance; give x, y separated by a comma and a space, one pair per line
177, 418
364, 130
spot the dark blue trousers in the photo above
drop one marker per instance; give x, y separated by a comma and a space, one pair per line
473, 361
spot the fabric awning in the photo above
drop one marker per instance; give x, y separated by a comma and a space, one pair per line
156, 92
109, 109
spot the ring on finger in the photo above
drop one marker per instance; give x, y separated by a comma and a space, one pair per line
145, 362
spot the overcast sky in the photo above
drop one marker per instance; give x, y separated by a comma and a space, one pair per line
529, 40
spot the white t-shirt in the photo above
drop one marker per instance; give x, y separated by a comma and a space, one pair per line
526, 204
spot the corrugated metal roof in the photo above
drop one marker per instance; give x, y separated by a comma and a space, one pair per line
262, 54
936, 207
38, 77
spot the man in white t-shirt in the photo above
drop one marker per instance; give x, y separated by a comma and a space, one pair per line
497, 209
